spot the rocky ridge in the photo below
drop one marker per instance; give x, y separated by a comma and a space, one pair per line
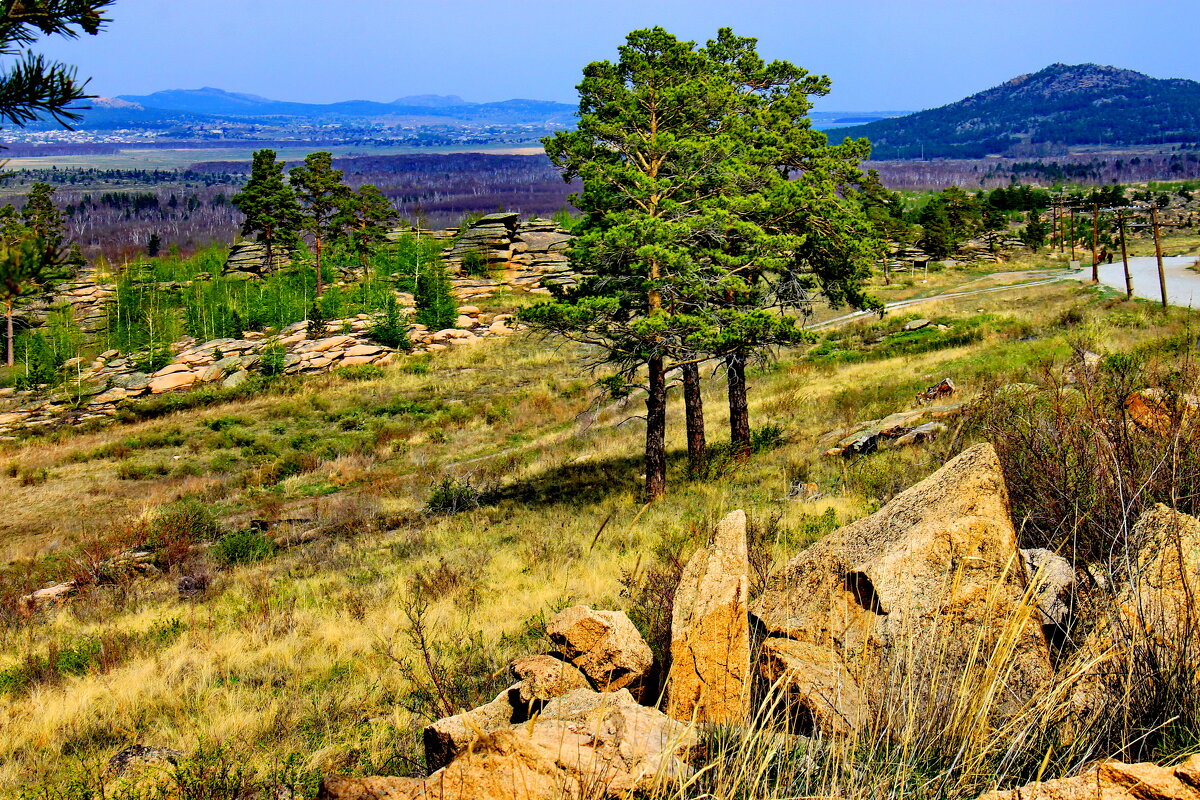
94, 391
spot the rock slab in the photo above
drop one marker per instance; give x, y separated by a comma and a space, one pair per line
709, 680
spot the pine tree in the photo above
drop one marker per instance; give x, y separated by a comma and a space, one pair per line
32, 87
369, 216
323, 195
695, 235
937, 232
269, 205
44, 220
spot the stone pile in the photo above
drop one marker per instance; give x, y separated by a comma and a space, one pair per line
94, 391
569, 723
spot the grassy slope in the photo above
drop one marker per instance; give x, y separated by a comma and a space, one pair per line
302, 653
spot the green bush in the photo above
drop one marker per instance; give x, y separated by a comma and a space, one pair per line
243, 547
474, 264
391, 328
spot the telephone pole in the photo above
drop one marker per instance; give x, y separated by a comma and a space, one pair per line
1125, 255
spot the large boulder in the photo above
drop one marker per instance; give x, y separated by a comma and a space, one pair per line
583, 744
603, 644
709, 680
929, 586
1114, 780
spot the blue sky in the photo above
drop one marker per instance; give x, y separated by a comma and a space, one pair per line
880, 55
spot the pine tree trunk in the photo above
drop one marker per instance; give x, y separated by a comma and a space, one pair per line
320, 282
656, 430
8, 334
693, 406
739, 411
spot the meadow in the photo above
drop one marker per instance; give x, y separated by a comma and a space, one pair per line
364, 537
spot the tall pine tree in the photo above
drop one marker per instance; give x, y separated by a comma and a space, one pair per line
323, 197
270, 207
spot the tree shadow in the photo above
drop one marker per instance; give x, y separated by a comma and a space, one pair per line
586, 482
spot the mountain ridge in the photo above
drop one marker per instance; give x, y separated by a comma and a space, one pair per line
1059, 105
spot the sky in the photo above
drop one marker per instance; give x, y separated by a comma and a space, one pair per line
880, 54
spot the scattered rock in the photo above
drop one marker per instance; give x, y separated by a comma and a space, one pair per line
603, 644
709, 680
55, 595
1114, 780
917, 324
1054, 582
450, 736
544, 678
139, 756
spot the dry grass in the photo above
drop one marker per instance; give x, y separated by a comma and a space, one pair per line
290, 655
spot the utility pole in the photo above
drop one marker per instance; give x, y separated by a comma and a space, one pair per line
1162, 278
1095, 240
1071, 217
1125, 256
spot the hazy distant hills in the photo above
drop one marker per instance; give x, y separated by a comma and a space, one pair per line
1083, 104
212, 102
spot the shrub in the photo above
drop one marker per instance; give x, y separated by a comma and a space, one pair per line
1082, 463
179, 527
360, 372
436, 308
271, 360
243, 547
474, 264
453, 495
391, 328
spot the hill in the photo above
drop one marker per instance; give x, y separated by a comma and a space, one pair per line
273, 584
1071, 105
220, 103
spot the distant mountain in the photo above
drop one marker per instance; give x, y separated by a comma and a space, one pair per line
1083, 104
220, 103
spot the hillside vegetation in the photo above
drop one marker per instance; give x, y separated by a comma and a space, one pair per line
419, 523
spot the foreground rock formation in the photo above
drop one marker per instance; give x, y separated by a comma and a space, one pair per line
582, 744
710, 675
894, 601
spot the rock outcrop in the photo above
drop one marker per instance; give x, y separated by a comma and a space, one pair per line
930, 585
528, 256
709, 680
249, 259
604, 645
1114, 780
94, 391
